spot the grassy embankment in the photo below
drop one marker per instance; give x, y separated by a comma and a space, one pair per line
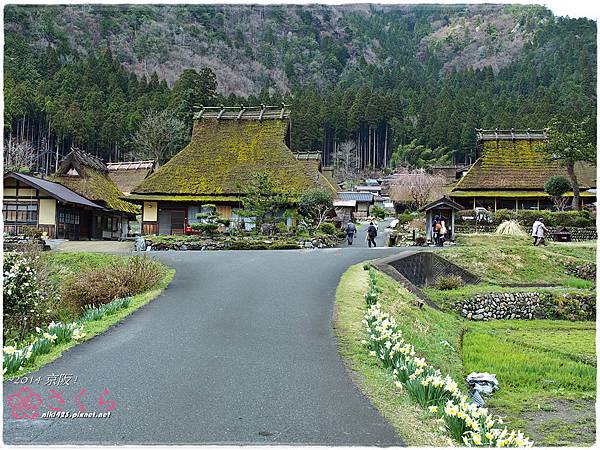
64, 267
546, 369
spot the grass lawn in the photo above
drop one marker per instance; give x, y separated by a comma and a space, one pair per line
546, 369
65, 266
506, 259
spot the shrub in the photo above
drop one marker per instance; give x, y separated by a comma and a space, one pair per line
208, 228
511, 228
551, 219
557, 186
449, 282
405, 217
118, 280
585, 271
569, 306
32, 232
29, 298
420, 241
224, 222
327, 228
378, 212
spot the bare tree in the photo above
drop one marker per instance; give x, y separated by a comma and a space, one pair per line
160, 135
416, 187
345, 161
19, 155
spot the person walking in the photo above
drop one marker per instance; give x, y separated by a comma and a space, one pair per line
537, 231
350, 232
371, 235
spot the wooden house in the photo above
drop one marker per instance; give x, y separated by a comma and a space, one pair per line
229, 146
510, 172
88, 176
54, 209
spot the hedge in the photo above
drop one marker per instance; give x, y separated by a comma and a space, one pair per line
577, 219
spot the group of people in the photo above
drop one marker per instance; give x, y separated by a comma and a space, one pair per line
371, 232
439, 230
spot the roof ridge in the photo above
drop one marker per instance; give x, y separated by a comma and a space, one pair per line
242, 112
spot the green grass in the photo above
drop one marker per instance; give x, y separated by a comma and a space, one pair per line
411, 423
65, 265
546, 369
506, 259
97, 327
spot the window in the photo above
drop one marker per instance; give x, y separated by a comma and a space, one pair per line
68, 216
191, 214
23, 213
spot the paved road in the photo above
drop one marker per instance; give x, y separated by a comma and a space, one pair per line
360, 239
239, 349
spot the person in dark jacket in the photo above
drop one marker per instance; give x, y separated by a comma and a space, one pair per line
371, 235
350, 232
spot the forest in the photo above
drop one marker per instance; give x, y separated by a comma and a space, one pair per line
382, 86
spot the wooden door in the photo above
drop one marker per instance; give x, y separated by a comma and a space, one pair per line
164, 222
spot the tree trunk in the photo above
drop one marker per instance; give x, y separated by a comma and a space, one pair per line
575, 185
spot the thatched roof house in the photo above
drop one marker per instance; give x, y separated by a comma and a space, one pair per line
229, 146
511, 170
88, 176
127, 175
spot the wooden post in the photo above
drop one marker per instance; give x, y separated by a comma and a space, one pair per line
495, 204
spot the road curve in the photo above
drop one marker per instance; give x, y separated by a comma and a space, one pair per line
238, 349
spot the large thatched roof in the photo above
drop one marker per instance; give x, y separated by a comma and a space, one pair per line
227, 150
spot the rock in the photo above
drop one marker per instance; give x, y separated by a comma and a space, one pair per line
477, 316
308, 244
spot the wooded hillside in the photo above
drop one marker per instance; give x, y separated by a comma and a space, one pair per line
368, 78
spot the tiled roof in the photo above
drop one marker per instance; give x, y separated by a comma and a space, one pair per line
518, 165
56, 190
358, 196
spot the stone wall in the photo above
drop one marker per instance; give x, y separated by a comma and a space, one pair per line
529, 305
521, 305
577, 234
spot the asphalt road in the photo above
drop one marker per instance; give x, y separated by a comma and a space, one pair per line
238, 349
360, 238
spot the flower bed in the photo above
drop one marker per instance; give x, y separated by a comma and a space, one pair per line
15, 358
465, 421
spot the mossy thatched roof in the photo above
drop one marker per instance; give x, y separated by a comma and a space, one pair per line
91, 181
225, 155
520, 165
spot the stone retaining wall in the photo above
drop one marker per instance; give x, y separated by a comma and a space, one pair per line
529, 305
520, 305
